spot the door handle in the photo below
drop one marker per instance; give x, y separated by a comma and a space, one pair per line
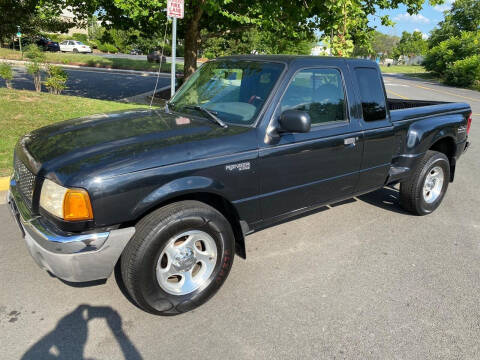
350, 141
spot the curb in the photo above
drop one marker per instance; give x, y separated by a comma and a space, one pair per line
91, 68
140, 98
4, 183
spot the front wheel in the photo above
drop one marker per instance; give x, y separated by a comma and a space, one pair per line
179, 257
424, 191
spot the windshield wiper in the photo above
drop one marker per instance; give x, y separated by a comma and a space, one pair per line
210, 114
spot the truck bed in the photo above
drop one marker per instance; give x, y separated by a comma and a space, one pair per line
401, 110
398, 104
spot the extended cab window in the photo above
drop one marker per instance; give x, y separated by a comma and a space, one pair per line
371, 94
318, 92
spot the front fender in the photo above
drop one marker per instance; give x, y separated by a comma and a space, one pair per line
176, 188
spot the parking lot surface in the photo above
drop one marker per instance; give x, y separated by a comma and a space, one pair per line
359, 280
97, 84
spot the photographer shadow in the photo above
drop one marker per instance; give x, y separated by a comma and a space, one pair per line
68, 339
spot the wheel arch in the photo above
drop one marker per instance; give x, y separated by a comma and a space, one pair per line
447, 146
200, 189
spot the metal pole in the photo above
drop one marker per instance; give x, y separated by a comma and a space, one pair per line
174, 55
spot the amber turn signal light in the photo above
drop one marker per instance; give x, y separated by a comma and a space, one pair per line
77, 206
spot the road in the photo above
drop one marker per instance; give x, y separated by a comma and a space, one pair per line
104, 85
360, 280
135, 57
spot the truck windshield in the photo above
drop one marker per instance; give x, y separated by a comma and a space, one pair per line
235, 91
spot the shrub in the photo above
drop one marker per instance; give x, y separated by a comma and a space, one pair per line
447, 52
56, 80
107, 47
6, 73
111, 48
36, 59
465, 72
80, 37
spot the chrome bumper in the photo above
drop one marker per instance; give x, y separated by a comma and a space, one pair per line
71, 257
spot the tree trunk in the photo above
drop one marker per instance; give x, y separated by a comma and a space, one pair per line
192, 40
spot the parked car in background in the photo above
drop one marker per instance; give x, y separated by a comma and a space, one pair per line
155, 57
47, 44
136, 52
74, 46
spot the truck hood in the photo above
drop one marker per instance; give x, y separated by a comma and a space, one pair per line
122, 142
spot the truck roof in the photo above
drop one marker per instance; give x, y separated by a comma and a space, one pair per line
297, 58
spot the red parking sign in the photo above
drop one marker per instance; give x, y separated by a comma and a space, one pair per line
175, 8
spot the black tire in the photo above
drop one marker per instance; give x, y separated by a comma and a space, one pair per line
75, 50
411, 191
153, 233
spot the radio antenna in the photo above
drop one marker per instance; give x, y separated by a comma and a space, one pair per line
160, 65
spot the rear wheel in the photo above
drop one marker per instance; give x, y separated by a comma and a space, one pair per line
424, 191
179, 257
75, 50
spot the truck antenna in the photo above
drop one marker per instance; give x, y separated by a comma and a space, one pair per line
160, 62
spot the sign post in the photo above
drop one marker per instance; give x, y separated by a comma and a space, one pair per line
19, 35
175, 9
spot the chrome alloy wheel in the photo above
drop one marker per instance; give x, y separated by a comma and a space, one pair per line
186, 262
432, 187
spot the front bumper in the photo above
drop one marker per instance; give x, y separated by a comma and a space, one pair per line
70, 257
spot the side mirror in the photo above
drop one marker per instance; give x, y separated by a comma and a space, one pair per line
295, 121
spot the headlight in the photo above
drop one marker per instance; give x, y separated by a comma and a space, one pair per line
67, 204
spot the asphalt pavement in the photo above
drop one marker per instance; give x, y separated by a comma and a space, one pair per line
97, 84
179, 59
359, 280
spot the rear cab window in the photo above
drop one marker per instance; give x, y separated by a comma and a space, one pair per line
372, 96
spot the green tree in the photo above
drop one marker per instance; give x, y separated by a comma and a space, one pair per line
255, 40
6, 74
32, 16
454, 46
464, 15
56, 79
449, 51
377, 43
345, 19
36, 59
411, 45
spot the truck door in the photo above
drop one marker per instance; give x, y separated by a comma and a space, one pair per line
378, 133
300, 170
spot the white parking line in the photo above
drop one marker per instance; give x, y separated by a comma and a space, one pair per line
396, 84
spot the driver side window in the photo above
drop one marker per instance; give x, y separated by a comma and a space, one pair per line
318, 92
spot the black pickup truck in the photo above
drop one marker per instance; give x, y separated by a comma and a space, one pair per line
248, 141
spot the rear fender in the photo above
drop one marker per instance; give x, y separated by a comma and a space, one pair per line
423, 134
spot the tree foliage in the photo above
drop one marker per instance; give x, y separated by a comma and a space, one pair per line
6, 74
56, 79
376, 43
455, 45
254, 40
410, 44
32, 16
37, 60
347, 20
464, 15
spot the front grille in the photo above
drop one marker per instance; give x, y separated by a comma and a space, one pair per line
25, 180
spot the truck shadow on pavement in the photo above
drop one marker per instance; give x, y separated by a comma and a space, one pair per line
386, 198
68, 339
